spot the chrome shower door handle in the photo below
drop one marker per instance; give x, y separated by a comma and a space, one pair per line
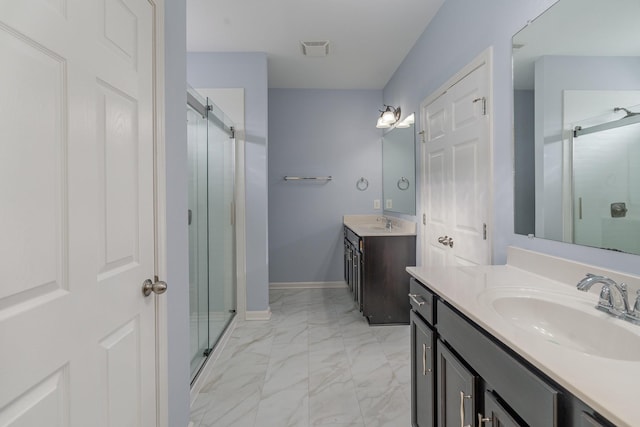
158, 287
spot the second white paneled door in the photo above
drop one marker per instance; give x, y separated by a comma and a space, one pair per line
456, 173
77, 213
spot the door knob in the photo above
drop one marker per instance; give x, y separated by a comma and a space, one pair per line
450, 242
443, 240
159, 287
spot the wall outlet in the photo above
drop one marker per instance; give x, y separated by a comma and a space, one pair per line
388, 204
376, 204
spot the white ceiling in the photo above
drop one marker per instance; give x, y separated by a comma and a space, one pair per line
369, 38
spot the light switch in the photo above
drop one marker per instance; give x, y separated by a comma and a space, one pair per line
376, 204
388, 204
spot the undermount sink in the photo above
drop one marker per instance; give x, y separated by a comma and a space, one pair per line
374, 227
566, 321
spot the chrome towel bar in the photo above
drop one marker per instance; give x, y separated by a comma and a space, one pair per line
308, 178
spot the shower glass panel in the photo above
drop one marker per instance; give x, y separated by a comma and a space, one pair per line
222, 265
212, 277
606, 189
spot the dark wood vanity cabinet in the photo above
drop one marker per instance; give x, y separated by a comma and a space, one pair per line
378, 279
475, 380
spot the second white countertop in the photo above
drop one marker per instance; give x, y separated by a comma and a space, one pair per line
374, 225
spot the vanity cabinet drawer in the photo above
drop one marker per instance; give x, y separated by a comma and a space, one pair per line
421, 300
535, 401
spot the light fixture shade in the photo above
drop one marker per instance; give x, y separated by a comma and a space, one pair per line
388, 116
381, 124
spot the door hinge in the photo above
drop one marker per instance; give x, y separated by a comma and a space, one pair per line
422, 137
484, 104
424, 219
484, 231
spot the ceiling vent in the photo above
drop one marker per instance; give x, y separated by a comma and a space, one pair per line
319, 48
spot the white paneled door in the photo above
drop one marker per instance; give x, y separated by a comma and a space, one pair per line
77, 336
456, 167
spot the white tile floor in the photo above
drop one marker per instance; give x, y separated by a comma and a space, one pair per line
315, 363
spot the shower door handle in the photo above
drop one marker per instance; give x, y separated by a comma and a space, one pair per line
158, 287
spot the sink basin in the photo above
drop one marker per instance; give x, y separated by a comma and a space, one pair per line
373, 227
569, 322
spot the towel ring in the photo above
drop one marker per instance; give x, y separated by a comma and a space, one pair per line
362, 184
403, 183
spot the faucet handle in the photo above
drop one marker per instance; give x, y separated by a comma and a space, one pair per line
636, 306
634, 313
606, 299
623, 289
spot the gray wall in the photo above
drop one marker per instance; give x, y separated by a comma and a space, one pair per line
319, 133
176, 175
460, 31
248, 71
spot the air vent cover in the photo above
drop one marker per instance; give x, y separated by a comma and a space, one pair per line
317, 48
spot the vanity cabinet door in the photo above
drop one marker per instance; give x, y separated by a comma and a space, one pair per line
495, 415
456, 390
422, 373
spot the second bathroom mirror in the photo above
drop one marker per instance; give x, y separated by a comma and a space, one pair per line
399, 169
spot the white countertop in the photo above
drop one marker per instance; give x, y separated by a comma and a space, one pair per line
609, 386
374, 225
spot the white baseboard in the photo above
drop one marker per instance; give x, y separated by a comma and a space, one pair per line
208, 366
307, 285
258, 315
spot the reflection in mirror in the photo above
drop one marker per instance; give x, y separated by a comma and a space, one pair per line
398, 169
577, 141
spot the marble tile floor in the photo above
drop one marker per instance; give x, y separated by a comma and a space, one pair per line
315, 363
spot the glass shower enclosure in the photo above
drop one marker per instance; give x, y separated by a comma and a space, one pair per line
211, 219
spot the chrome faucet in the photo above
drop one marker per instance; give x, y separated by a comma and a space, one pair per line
613, 297
388, 224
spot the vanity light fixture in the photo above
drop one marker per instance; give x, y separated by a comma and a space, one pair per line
388, 117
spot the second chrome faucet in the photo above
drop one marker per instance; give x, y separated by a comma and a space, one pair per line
613, 297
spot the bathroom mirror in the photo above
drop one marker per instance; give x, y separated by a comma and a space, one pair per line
399, 170
576, 81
